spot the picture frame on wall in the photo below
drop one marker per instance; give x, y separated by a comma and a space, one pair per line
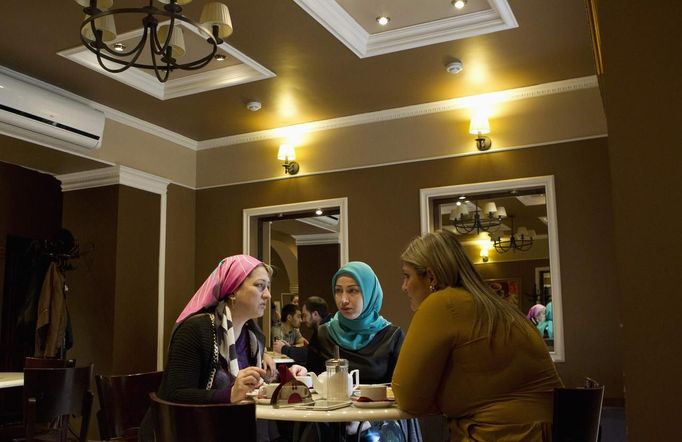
508, 289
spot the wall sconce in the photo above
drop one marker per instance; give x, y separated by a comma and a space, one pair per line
479, 126
287, 153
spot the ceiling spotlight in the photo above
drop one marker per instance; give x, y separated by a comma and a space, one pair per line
454, 67
220, 57
253, 106
119, 47
318, 212
383, 20
459, 4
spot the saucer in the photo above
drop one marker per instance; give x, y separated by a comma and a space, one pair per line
373, 404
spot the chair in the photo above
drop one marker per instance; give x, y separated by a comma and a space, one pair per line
577, 413
123, 402
51, 395
208, 423
30, 362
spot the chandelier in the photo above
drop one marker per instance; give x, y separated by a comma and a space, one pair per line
521, 241
165, 43
488, 221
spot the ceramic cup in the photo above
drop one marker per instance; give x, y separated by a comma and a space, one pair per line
307, 380
267, 390
374, 392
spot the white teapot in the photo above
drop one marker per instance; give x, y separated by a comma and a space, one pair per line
320, 382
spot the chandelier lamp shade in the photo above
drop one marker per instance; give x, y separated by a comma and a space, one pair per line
162, 36
522, 240
487, 220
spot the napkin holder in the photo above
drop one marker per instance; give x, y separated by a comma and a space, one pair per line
289, 393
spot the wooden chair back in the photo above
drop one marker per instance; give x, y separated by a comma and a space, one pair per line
123, 401
53, 394
175, 422
30, 362
577, 414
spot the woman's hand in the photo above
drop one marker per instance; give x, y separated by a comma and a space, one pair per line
298, 370
246, 381
269, 366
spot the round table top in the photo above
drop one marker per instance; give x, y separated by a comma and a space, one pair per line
346, 414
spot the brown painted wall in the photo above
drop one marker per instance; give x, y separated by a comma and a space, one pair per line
180, 231
383, 206
643, 113
137, 276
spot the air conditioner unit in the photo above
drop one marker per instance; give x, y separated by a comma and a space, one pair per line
44, 117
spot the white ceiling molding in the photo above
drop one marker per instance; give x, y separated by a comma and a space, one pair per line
363, 44
316, 239
249, 70
110, 176
522, 93
323, 222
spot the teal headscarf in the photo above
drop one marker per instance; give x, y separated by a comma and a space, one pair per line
353, 334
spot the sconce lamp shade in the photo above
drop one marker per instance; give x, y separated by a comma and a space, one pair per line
177, 41
479, 125
501, 212
101, 4
522, 231
286, 152
217, 14
458, 212
105, 24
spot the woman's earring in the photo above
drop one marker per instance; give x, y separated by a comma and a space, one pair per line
432, 287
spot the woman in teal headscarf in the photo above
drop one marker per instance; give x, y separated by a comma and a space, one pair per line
369, 342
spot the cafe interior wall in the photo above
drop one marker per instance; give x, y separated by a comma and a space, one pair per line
383, 204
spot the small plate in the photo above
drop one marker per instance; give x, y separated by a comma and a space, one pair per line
373, 404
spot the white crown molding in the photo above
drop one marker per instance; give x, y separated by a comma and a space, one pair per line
109, 176
522, 93
363, 44
316, 239
322, 222
249, 70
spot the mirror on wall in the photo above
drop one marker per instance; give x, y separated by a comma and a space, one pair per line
509, 231
305, 243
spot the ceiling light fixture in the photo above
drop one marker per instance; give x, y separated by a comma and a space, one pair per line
165, 43
318, 212
254, 106
287, 153
383, 20
459, 4
220, 57
454, 67
479, 126
464, 223
521, 241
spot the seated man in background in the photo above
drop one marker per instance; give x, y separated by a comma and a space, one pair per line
315, 313
290, 333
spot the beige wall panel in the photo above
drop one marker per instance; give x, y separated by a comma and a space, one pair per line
575, 114
383, 205
643, 111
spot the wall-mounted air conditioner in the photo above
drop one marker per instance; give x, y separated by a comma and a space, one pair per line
44, 117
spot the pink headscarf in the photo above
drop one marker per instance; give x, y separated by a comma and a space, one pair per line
534, 312
225, 279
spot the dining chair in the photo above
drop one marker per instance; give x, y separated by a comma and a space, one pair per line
53, 394
123, 402
175, 422
30, 362
577, 413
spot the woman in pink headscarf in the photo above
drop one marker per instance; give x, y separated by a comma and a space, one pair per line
216, 352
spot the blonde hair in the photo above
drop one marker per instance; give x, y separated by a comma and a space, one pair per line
442, 253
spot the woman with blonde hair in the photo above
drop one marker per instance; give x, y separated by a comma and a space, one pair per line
468, 354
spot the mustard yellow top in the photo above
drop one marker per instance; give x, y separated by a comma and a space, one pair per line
490, 390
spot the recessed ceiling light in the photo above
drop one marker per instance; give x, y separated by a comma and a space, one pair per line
318, 212
459, 4
119, 47
462, 197
383, 20
220, 57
